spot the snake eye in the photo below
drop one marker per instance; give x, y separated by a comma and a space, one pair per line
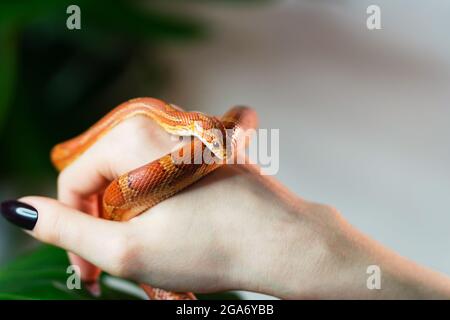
216, 145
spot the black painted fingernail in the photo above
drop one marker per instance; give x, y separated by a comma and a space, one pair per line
21, 214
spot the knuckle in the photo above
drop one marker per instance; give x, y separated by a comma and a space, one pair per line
323, 209
123, 257
61, 180
330, 209
54, 230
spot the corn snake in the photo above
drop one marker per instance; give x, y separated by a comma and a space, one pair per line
140, 189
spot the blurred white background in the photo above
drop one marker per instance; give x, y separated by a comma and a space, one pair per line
364, 116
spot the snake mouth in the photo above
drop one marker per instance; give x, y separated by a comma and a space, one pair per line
213, 138
216, 148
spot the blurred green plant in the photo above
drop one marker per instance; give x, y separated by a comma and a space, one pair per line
42, 275
55, 82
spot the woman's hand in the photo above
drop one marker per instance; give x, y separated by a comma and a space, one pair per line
234, 229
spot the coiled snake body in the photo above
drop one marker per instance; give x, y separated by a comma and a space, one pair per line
140, 189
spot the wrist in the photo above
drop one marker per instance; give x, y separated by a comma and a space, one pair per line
343, 263
314, 255
310, 252
283, 255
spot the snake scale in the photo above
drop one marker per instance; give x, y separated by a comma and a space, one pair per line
140, 189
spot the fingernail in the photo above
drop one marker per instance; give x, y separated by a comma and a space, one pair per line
21, 214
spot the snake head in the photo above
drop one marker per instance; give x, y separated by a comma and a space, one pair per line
212, 133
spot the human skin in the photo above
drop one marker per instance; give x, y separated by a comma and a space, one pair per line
234, 229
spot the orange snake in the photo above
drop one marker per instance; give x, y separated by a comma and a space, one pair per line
140, 189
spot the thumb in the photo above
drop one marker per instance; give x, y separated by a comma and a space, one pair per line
97, 240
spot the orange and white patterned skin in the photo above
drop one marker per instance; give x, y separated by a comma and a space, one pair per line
140, 189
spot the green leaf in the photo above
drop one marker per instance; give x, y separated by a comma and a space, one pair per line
41, 274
